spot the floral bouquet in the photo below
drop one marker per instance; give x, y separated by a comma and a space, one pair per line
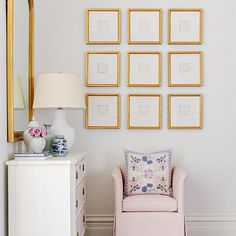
37, 132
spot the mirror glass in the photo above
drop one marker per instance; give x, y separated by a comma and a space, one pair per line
20, 64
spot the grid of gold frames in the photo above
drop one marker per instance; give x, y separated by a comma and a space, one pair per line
118, 110
159, 64
159, 25
169, 111
170, 84
102, 85
87, 25
170, 41
159, 111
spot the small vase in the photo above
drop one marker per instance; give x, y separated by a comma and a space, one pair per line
37, 144
59, 146
26, 136
49, 138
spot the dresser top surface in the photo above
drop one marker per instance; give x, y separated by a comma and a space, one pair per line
70, 159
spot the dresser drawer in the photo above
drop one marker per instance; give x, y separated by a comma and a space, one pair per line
80, 195
81, 221
79, 171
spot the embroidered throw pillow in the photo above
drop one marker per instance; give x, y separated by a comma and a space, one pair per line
148, 173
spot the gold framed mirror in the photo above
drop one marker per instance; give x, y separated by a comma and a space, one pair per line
20, 66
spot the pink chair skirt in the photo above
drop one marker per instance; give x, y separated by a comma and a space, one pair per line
149, 224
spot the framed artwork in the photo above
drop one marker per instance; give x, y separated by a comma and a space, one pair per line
144, 69
103, 111
185, 69
102, 69
144, 26
185, 26
184, 111
144, 111
103, 26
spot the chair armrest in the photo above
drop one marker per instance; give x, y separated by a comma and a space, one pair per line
179, 177
118, 189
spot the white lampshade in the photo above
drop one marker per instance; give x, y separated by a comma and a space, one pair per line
19, 100
59, 90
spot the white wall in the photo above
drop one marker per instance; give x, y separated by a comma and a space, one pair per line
208, 154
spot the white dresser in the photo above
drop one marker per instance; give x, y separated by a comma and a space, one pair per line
47, 198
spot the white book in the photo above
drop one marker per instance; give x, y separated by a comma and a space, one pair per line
28, 154
30, 158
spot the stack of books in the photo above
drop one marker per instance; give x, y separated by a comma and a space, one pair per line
32, 156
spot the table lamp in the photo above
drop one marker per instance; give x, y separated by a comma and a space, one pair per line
59, 91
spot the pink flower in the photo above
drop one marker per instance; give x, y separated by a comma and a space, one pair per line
37, 132
44, 133
31, 132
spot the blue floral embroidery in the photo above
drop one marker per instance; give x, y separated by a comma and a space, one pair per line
135, 159
149, 185
136, 187
149, 162
161, 159
144, 189
144, 158
162, 188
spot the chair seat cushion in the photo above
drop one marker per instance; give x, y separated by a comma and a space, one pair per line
149, 203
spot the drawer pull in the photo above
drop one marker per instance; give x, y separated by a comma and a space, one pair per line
83, 191
77, 234
83, 218
77, 203
77, 175
83, 167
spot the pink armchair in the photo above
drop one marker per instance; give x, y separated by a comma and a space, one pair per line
149, 215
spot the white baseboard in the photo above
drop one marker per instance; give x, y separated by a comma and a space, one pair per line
197, 225
99, 225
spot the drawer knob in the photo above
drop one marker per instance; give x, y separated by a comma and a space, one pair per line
83, 167
77, 175
83, 218
77, 203
83, 191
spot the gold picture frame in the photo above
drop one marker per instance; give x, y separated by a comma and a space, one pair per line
117, 126
159, 65
88, 84
171, 84
88, 40
159, 110
200, 119
12, 134
197, 42
159, 25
